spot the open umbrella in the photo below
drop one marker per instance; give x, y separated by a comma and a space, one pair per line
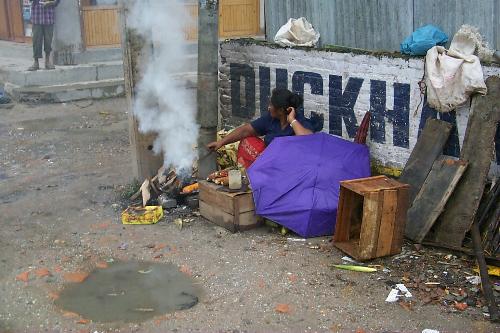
296, 181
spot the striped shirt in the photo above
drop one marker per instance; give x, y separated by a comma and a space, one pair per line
41, 14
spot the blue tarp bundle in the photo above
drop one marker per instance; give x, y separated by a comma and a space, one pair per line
423, 39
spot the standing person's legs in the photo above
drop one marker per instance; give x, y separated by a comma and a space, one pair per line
48, 34
37, 40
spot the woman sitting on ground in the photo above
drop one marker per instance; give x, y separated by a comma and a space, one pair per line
282, 120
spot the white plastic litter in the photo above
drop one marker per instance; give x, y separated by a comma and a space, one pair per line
349, 259
394, 294
427, 330
453, 75
297, 32
474, 280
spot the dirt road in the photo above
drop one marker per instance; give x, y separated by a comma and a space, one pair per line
61, 167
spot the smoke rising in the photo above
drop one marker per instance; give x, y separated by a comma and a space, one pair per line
163, 103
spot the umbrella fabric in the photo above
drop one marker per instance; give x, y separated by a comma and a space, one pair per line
296, 180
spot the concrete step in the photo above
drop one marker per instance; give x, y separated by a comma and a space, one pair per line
62, 75
105, 88
99, 55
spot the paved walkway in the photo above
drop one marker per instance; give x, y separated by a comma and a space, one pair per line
96, 79
15, 56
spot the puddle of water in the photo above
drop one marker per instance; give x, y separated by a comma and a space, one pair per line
130, 292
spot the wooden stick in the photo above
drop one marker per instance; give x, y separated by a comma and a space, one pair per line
483, 269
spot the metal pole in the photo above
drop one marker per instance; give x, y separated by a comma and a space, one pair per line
208, 71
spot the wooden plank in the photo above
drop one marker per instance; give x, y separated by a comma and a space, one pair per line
370, 227
386, 233
342, 226
231, 203
428, 148
243, 221
209, 195
217, 216
351, 248
430, 201
400, 222
349, 216
371, 184
478, 151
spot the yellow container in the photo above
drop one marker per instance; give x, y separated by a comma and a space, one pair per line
142, 215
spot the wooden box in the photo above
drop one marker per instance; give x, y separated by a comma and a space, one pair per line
233, 211
371, 217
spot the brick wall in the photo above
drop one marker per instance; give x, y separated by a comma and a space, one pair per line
341, 85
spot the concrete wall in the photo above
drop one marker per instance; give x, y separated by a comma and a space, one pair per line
383, 24
341, 86
68, 39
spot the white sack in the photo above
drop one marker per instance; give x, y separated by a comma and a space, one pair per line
451, 76
297, 32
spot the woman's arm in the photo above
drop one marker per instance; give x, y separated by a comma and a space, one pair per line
241, 132
297, 127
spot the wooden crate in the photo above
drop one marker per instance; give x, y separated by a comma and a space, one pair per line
371, 217
233, 211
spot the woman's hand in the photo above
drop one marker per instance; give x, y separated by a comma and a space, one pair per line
291, 115
214, 146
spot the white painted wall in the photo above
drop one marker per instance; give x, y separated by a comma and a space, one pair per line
348, 65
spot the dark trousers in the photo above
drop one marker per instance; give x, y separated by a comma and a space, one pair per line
42, 38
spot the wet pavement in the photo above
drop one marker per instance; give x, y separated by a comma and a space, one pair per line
63, 168
130, 292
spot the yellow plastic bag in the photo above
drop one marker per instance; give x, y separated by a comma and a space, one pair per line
142, 215
492, 270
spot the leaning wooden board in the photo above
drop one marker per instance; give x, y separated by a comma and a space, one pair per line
428, 148
478, 151
233, 211
431, 199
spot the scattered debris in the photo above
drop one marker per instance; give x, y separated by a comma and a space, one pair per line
363, 269
102, 265
76, 277
190, 188
123, 246
474, 280
179, 222
461, 306
293, 239
282, 308
394, 294
166, 202
42, 272
24, 277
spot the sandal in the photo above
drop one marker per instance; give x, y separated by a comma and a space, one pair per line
34, 68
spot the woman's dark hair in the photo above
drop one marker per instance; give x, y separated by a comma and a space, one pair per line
284, 98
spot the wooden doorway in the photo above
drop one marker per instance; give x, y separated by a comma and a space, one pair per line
11, 21
100, 23
239, 18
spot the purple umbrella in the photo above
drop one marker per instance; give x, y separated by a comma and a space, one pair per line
296, 181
